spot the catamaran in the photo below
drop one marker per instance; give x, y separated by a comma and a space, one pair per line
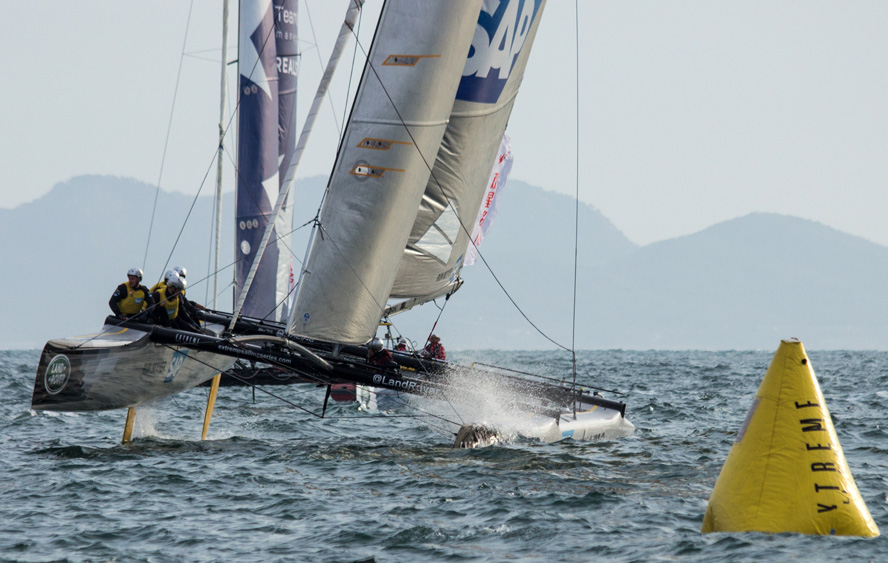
413, 165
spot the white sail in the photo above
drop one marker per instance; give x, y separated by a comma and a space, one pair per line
398, 120
501, 45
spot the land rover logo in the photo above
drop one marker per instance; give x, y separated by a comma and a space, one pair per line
57, 373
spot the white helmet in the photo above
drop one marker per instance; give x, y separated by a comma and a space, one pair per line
135, 272
181, 271
402, 340
169, 275
177, 282
376, 345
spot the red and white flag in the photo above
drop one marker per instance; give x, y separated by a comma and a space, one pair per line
497, 183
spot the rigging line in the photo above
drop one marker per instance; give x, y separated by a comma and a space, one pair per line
247, 382
119, 322
207, 173
167, 140
310, 378
435, 324
361, 281
341, 139
422, 365
573, 335
355, 31
188, 215
215, 149
324, 232
419, 410
282, 238
425, 370
212, 161
449, 199
377, 416
210, 259
332, 382
553, 379
321, 63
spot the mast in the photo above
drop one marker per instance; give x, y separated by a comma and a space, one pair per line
221, 150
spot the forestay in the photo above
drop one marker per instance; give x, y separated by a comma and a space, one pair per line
395, 129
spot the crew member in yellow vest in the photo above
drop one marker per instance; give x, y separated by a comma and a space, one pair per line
173, 310
182, 272
131, 297
162, 283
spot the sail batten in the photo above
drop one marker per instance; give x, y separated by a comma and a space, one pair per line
373, 194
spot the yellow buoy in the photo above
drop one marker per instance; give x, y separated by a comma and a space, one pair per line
786, 471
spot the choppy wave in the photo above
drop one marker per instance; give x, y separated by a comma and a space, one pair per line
276, 484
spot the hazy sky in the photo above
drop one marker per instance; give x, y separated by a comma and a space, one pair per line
691, 112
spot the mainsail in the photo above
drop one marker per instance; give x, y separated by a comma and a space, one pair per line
395, 129
493, 71
267, 64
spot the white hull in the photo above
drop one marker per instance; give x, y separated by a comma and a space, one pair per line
590, 423
117, 368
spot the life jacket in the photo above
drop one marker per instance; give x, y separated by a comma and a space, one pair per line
435, 350
171, 304
381, 358
161, 285
135, 300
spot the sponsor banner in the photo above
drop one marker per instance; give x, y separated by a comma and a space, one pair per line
497, 183
502, 28
267, 63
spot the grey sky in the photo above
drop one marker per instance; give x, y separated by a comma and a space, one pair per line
691, 112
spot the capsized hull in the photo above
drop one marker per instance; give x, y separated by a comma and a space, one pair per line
118, 368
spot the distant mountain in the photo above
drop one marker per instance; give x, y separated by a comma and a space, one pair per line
745, 284
741, 284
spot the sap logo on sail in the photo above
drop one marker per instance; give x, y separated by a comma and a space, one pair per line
503, 25
174, 365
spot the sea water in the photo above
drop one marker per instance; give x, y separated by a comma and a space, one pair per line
276, 483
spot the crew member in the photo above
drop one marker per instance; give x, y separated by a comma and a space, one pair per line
378, 356
181, 272
402, 345
173, 309
162, 283
434, 350
131, 297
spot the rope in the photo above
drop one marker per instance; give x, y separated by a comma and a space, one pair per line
321, 62
573, 334
287, 402
167, 140
425, 161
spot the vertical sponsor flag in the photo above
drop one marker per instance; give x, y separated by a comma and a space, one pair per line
268, 68
497, 183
